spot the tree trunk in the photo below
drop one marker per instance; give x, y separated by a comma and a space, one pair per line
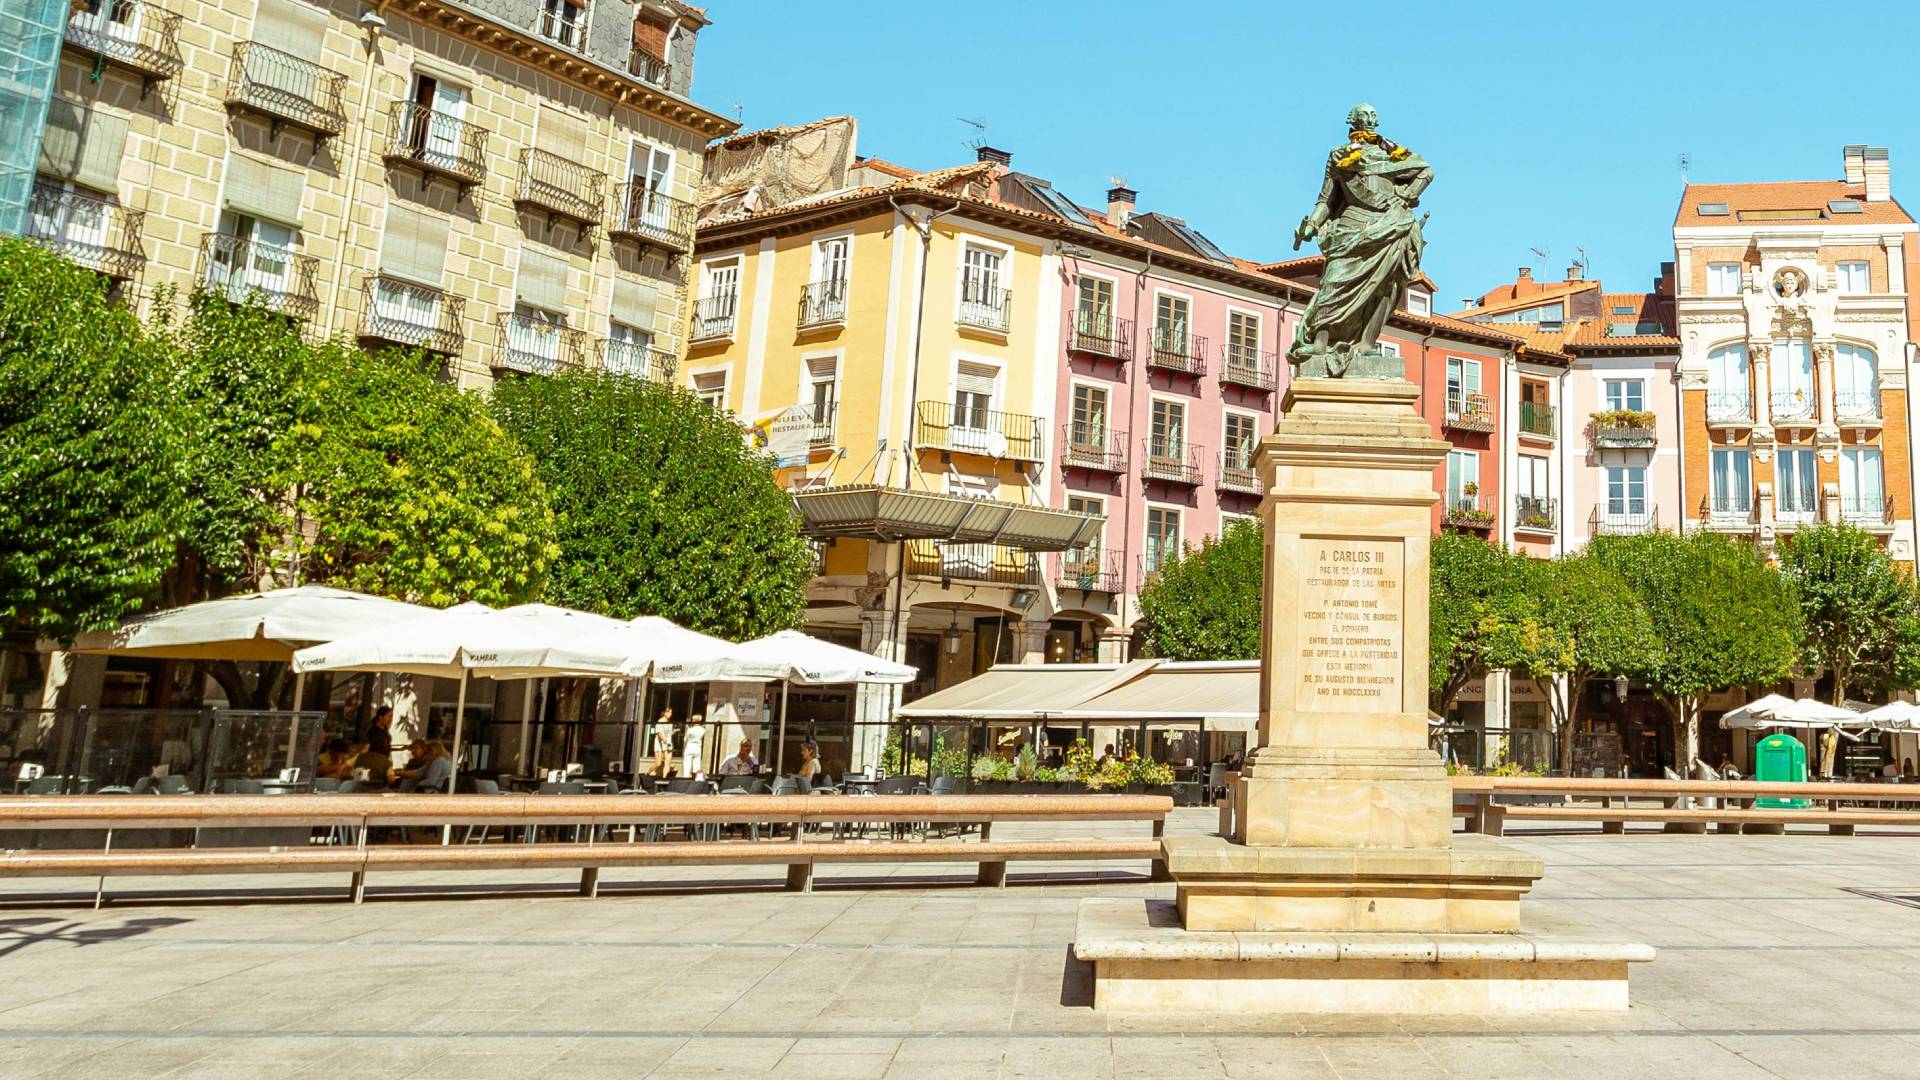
1684, 712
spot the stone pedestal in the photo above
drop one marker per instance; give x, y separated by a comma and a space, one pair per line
1343, 866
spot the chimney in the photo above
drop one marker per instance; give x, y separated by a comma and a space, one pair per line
1526, 274
1664, 283
1574, 272
1879, 178
1854, 158
1002, 158
1120, 203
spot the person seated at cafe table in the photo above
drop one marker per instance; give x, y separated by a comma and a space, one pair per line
336, 761
429, 769
809, 763
378, 764
742, 763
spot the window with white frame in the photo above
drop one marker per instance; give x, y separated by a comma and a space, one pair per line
1238, 438
983, 301
1172, 318
1391, 348
1463, 480
1856, 381
1723, 279
1626, 494
564, 22
973, 390
1863, 493
1419, 302
629, 349
649, 188
1083, 563
1793, 379
1530, 480
711, 387
1167, 436
259, 256
1228, 520
1796, 493
719, 304
1087, 428
1625, 395
1853, 277
1732, 476
1729, 391
1463, 386
1243, 341
1093, 316
823, 394
1163, 536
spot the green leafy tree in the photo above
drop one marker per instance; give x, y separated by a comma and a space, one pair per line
663, 509
1204, 604
1856, 607
92, 451
1721, 618
1603, 630
1480, 617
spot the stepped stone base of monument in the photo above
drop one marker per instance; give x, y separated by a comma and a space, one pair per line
1145, 961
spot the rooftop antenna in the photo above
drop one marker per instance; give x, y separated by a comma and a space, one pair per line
739, 111
1580, 259
1686, 165
1540, 256
1119, 181
979, 132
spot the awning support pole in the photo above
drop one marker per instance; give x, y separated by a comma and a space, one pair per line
459, 727
780, 747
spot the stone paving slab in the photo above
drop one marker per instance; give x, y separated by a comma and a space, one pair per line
1768, 966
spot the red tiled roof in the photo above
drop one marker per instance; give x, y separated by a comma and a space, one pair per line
1786, 195
888, 167
1492, 303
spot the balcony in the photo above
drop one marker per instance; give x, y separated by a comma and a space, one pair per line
1730, 513
286, 90
1176, 350
1631, 520
1537, 419
1535, 514
639, 359
1250, 368
1464, 511
1009, 436
280, 279
1469, 412
1793, 509
650, 69
1170, 460
823, 304
651, 217
96, 233
1730, 408
984, 307
1873, 513
532, 345
413, 316
989, 563
129, 34
1237, 472
436, 144
563, 25
1857, 408
1096, 449
823, 432
1793, 407
560, 187
1091, 570
1623, 429
714, 317
1100, 333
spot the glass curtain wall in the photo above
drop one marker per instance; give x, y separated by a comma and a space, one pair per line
30, 32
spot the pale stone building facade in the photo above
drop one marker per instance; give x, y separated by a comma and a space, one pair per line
505, 182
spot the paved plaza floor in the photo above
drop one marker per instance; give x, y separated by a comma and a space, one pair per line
1779, 956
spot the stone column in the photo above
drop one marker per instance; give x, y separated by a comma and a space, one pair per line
1760, 352
1826, 418
1116, 645
1030, 641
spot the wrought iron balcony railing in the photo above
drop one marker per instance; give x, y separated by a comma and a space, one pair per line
1237, 472
436, 143
823, 303
1174, 349
1735, 510
1629, 519
1101, 333
1796, 404
639, 359
824, 414
1170, 460
1867, 511
562, 188
1535, 513
96, 233
532, 345
649, 69
1153, 560
1012, 436
1091, 570
985, 307
404, 313
1623, 435
1536, 418
1729, 407
1469, 412
286, 90
1092, 447
1463, 511
714, 316
1250, 368
240, 270
133, 34
651, 217
989, 563
1856, 405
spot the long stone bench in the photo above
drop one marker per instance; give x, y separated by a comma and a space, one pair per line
1490, 802
1615, 818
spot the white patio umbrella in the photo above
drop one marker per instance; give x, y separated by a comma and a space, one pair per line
1753, 713
790, 657
1894, 716
471, 639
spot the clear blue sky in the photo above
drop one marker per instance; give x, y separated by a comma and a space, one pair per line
1552, 126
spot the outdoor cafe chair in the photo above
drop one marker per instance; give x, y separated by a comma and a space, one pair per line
735, 783
173, 785
484, 786
323, 784
143, 786
46, 785
243, 787
561, 787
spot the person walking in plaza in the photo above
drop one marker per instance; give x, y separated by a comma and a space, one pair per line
662, 744
693, 748
742, 763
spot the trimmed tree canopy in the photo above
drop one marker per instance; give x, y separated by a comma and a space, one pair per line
1481, 616
1856, 607
663, 510
1205, 602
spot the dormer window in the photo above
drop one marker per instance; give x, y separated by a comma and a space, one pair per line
1419, 302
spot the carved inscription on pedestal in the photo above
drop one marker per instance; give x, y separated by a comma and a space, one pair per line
1351, 624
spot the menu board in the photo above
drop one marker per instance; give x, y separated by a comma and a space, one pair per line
1352, 628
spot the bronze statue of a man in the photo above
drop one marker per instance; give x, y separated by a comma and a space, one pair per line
1366, 229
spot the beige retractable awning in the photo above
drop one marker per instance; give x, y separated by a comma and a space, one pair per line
1022, 691
884, 514
1225, 696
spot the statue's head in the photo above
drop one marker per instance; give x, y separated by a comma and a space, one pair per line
1362, 118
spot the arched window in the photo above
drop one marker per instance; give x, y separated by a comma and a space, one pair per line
1729, 392
1856, 381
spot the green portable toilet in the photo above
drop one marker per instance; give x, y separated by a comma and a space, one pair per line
1780, 759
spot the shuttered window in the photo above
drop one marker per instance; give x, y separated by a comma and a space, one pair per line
83, 145
634, 303
562, 133
259, 189
414, 245
291, 26
543, 281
